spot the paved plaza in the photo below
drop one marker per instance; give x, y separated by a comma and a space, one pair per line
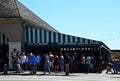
61, 77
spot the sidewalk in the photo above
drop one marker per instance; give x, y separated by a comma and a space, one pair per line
41, 73
61, 77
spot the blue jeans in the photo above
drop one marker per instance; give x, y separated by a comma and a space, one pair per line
46, 67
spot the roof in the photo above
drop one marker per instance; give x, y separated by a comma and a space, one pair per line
15, 9
115, 50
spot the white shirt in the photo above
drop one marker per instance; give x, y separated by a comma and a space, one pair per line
23, 58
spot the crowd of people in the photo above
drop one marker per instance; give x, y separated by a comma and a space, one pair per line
56, 62
50, 62
114, 65
43, 62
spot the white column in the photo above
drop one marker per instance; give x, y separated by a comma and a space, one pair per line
66, 38
52, 38
76, 39
13, 45
61, 38
56, 37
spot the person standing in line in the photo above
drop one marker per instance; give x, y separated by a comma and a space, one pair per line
92, 63
56, 63
42, 64
51, 59
115, 65
47, 64
14, 61
67, 59
27, 61
32, 63
38, 61
88, 62
83, 63
23, 61
100, 64
62, 63
76, 63
72, 67
67, 64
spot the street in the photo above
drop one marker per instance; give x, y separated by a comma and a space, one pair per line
61, 77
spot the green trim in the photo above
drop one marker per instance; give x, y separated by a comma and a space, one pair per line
54, 37
73, 39
36, 38
68, 38
78, 39
26, 31
31, 29
59, 37
63, 38
49, 36
40, 36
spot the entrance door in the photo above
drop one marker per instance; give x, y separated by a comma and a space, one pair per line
3, 55
3, 50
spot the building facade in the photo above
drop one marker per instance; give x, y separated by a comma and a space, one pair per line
22, 30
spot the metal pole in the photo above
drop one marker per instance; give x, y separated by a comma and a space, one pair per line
5, 69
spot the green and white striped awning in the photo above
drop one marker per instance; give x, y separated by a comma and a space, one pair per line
43, 37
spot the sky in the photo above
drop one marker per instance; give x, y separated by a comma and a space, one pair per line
92, 19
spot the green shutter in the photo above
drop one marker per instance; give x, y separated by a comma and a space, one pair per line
36, 37
40, 36
63, 38
73, 39
59, 37
68, 38
31, 29
26, 34
54, 37
49, 36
